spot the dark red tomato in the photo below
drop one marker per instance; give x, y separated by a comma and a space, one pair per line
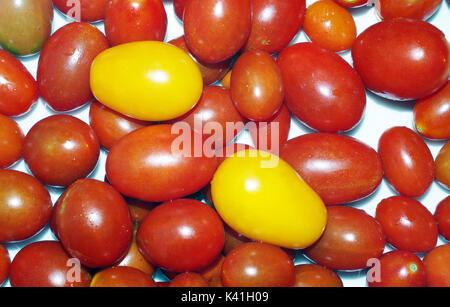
402, 59
178, 6
18, 89
401, 269
442, 166
432, 115
230, 150
351, 238
211, 116
93, 223
257, 86
274, 24
407, 161
46, 264
258, 265
64, 65
135, 259
5, 263
149, 157
266, 134
139, 209
188, 280
11, 142
422, 9
213, 270
407, 224
313, 275
233, 240
437, 266
135, 20
216, 30
90, 10
25, 206
322, 89
110, 126
351, 3
61, 149
180, 236
442, 216
210, 72
122, 276
339, 168
216, 282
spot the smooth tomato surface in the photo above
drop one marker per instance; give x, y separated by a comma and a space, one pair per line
313, 275
416, 9
5, 263
122, 276
442, 166
442, 216
11, 141
90, 10
437, 266
189, 280
351, 3
178, 6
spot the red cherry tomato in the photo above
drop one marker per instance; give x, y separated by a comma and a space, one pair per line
274, 24
215, 30
442, 166
233, 240
402, 59
313, 275
122, 276
183, 235
423, 9
178, 6
407, 161
351, 238
61, 149
5, 263
322, 89
352, 3
139, 209
401, 269
18, 89
188, 280
258, 265
46, 264
93, 223
135, 20
339, 168
257, 86
442, 216
11, 142
25, 206
437, 266
213, 270
407, 224
91, 10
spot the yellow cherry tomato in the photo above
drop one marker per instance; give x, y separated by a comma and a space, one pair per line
261, 197
150, 81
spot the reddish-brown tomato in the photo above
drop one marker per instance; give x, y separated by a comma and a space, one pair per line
135, 259
351, 238
233, 240
330, 25
313, 275
432, 115
351, 3
18, 89
339, 168
5, 263
11, 142
216, 30
416, 9
274, 24
61, 149
442, 216
91, 10
139, 209
93, 223
25, 206
64, 65
122, 276
212, 270
216, 282
407, 224
442, 166
135, 20
258, 265
407, 161
437, 266
402, 59
188, 280
46, 264
322, 89
178, 6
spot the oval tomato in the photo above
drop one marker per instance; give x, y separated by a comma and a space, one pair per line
5, 263
189, 280
120, 277
11, 142
423, 9
313, 275
90, 10
442, 166
442, 216
437, 266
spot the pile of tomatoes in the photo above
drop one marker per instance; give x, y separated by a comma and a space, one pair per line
242, 215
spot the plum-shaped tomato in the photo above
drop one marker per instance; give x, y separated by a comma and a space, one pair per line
5, 263
417, 9
442, 166
313, 275
122, 276
437, 266
188, 280
89, 10
11, 141
442, 216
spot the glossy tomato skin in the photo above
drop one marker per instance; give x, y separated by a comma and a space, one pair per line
18, 90
437, 266
144, 159
351, 3
274, 24
339, 168
442, 166
322, 90
25, 206
233, 240
351, 238
407, 161
178, 6
432, 115
330, 26
401, 269
420, 57
139, 209
213, 270
61, 149
122, 276
189, 279
442, 216
407, 224
257, 86
5, 263
389, 9
110, 126
313, 275
258, 265
214, 36
90, 10
63, 75
135, 20
94, 224
45, 264
11, 141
